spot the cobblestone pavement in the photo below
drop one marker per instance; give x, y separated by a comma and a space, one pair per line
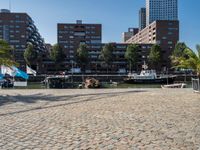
149, 119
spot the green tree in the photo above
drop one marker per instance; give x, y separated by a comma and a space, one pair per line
155, 55
57, 55
190, 60
107, 54
30, 55
132, 55
82, 56
6, 57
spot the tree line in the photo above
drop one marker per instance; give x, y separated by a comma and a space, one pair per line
181, 58
106, 55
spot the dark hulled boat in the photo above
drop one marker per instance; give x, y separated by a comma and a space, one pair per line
149, 77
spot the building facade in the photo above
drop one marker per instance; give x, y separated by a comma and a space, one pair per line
120, 64
142, 18
18, 30
71, 35
161, 10
127, 35
163, 33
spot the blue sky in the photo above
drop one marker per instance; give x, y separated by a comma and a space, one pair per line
114, 15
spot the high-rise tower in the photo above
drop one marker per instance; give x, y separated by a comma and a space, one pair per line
142, 18
161, 10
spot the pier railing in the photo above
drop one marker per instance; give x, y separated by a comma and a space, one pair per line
196, 85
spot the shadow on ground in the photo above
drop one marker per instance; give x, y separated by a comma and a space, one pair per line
67, 99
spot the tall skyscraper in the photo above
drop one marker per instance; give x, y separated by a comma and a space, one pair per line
161, 10
142, 18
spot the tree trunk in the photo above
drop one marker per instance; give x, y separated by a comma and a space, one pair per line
107, 71
83, 72
130, 67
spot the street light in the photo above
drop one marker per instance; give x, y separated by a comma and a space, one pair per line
72, 69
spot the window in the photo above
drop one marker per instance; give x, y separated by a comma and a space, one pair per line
79, 33
95, 41
14, 41
170, 42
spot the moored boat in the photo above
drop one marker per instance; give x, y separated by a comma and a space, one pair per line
149, 77
178, 85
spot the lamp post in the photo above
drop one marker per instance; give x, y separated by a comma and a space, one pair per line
72, 70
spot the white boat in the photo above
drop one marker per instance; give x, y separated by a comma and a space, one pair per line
178, 85
149, 77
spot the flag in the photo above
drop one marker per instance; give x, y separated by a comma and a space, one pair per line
30, 71
20, 73
7, 70
13, 71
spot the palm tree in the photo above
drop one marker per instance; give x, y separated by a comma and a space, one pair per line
189, 60
6, 57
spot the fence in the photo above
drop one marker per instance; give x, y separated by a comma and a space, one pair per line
196, 85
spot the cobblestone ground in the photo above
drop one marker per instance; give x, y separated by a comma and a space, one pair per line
122, 119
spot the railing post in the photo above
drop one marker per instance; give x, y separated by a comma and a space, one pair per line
196, 85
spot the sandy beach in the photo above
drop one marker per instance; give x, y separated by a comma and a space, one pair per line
149, 119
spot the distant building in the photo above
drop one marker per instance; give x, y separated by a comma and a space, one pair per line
164, 33
127, 35
71, 35
142, 18
18, 30
161, 10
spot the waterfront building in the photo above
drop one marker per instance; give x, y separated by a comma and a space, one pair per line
142, 18
120, 64
162, 32
71, 35
18, 29
161, 10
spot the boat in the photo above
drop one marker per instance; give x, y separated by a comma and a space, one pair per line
58, 82
177, 85
148, 77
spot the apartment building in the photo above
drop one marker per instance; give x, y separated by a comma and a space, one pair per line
18, 30
120, 64
71, 35
162, 32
